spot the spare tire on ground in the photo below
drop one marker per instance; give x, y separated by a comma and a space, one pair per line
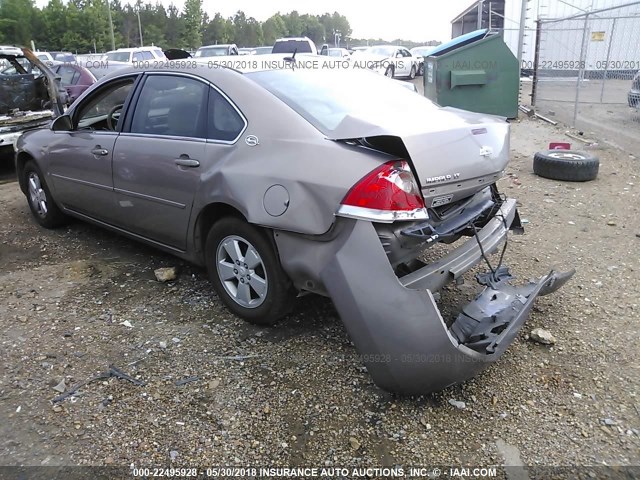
567, 165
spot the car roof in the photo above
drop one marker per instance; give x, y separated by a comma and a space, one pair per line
221, 45
288, 39
133, 49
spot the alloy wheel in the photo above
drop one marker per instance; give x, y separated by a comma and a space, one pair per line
37, 195
241, 271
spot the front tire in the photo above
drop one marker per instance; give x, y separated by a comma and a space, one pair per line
246, 273
389, 71
41, 203
412, 74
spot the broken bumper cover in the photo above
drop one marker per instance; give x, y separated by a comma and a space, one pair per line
395, 323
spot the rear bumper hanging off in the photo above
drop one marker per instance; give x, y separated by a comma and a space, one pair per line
395, 323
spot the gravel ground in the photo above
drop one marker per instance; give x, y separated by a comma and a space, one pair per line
76, 300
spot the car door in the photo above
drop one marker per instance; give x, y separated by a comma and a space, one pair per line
156, 163
400, 63
409, 60
80, 159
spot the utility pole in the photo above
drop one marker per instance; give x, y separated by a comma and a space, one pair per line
521, 33
113, 40
140, 27
480, 14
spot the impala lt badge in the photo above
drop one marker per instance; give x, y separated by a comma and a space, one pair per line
441, 178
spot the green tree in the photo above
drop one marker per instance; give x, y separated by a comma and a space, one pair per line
218, 30
15, 21
192, 36
175, 28
247, 31
273, 28
293, 23
312, 28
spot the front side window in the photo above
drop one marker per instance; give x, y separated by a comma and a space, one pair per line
171, 105
103, 103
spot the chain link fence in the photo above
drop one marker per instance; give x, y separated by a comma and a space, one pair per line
584, 71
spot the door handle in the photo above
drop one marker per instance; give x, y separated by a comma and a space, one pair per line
100, 151
185, 161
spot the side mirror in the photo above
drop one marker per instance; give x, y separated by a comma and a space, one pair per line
62, 124
324, 50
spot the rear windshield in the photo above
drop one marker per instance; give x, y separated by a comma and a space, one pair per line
212, 52
118, 56
291, 46
326, 97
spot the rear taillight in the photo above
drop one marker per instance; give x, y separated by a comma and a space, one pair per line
388, 193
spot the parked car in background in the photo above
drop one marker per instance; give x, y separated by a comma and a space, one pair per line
256, 50
193, 162
74, 78
30, 95
217, 51
634, 93
177, 54
10, 49
390, 60
123, 57
136, 54
56, 56
338, 52
295, 45
420, 53
262, 50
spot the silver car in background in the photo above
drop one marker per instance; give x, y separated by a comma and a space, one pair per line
294, 180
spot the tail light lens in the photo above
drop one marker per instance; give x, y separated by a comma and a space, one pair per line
388, 193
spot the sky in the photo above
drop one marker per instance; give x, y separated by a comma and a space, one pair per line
415, 20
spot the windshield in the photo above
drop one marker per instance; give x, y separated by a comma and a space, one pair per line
335, 52
118, 56
386, 51
212, 52
326, 97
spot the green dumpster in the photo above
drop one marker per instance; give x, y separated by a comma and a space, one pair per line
475, 72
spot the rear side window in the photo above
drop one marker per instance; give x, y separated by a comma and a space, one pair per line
224, 122
171, 105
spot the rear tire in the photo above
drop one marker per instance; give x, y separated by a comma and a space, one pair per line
412, 74
566, 165
41, 203
246, 273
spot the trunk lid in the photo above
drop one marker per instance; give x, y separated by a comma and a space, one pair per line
454, 153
